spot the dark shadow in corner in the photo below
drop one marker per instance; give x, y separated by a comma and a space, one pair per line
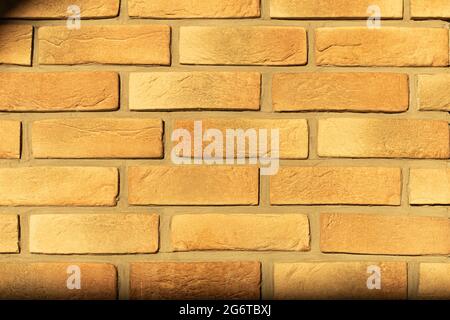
8, 5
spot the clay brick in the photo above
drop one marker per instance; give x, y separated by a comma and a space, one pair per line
193, 185
195, 90
10, 133
97, 138
48, 281
386, 46
433, 92
9, 234
336, 185
170, 9
384, 234
249, 45
293, 133
93, 233
434, 281
113, 44
383, 138
15, 44
338, 280
316, 9
288, 232
429, 186
195, 280
58, 186
59, 91
361, 92
430, 9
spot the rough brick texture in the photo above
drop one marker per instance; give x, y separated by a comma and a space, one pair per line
9, 233
421, 9
10, 133
433, 93
434, 281
15, 44
429, 186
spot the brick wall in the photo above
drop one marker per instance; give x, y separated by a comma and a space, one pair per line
87, 180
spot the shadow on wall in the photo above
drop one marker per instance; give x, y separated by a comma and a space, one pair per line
8, 5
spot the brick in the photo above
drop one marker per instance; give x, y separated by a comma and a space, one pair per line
113, 44
193, 185
16, 42
353, 9
57, 9
195, 280
429, 186
195, 90
434, 281
59, 91
48, 281
97, 138
383, 138
338, 280
387, 46
58, 186
433, 92
336, 185
293, 133
245, 45
383, 234
171, 9
288, 232
360, 92
93, 233
430, 9
9, 234
10, 133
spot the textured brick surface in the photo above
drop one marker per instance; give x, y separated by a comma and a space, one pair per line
9, 233
433, 93
15, 44
434, 281
430, 9
10, 133
429, 186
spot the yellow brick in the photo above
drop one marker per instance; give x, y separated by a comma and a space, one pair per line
93, 233
195, 280
362, 92
9, 234
430, 9
334, 8
10, 133
384, 234
97, 138
58, 186
48, 281
383, 138
429, 186
195, 90
336, 185
387, 46
293, 137
288, 232
15, 44
194, 9
338, 280
249, 45
434, 281
193, 185
113, 44
433, 92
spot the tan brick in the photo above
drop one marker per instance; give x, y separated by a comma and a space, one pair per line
383, 138
97, 138
195, 90
58, 186
93, 233
249, 45
195, 280
362, 92
336, 185
430, 9
193, 185
48, 281
434, 281
384, 234
15, 44
293, 133
334, 8
429, 186
288, 232
58, 9
9, 234
387, 46
113, 44
10, 133
338, 280
59, 91
194, 9
433, 92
